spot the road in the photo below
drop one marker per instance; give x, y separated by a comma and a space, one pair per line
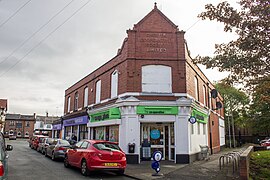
28, 164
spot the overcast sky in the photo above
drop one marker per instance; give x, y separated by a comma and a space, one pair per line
35, 76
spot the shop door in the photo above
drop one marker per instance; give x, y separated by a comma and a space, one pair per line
158, 135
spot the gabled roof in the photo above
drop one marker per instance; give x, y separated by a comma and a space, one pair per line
159, 14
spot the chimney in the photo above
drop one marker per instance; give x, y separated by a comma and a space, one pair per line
47, 114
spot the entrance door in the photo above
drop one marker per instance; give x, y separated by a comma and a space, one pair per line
159, 137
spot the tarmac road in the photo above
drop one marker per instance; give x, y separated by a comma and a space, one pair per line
28, 164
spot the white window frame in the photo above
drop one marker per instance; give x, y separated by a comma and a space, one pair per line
85, 95
68, 103
114, 84
204, 95
98, 91
196, 84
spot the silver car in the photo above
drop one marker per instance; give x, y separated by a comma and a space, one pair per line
57, 149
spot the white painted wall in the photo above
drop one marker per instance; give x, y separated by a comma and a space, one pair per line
197, 138
221, 132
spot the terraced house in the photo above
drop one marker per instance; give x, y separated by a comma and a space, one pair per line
150, 96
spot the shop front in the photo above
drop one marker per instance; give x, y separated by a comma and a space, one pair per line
77, 127
56, 131
157, 131
104, 125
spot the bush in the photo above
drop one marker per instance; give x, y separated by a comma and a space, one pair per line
260, 165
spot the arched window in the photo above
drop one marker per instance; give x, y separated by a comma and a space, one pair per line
98, 91
76, 101
68, 104
85, 101
156, 78
114, 84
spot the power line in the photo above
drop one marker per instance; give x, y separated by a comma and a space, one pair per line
1, 75
39, 29
193, 24
2, 24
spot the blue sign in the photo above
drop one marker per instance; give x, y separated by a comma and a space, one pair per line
157, 156
192, 120
76, 121
155, 134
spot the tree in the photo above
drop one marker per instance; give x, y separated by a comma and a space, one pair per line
260, 108
247, 57
235, 105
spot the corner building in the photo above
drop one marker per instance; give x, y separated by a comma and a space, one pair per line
144, 97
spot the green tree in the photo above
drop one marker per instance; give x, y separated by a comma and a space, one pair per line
260, 108
247, 57
236, 104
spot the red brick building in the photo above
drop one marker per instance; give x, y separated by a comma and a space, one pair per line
20, 125
145, 95
3, 110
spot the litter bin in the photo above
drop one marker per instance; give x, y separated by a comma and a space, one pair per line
131, 147
204, 152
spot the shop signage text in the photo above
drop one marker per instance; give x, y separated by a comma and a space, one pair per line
113, 113
200, 117
173, 110
57, 126
76, 121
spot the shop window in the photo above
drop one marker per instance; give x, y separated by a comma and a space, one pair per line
156, 78
199, 128
76, 101
85, 95
114, 133
83, 132
99, 133
204, 129
68, 132
196, 88
98, 91
114, 84
68, 103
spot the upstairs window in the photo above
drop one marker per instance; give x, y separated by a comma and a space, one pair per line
98, 91
204, 95
157, 79
85, 101
68, 103
114, 84
76, 101
196, 88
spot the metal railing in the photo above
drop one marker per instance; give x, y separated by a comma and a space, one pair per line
231, 158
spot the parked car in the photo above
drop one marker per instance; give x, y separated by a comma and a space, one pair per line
57, 149
266, 143
90, 155
44, 144
36, 140
264, 140
4, 157
12, 137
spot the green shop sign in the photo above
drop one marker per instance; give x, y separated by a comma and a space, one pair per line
157, 110
113, 113
200, 117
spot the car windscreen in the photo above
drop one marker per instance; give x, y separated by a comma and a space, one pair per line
64, 142
106, 146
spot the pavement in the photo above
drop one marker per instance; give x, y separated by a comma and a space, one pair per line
203, 169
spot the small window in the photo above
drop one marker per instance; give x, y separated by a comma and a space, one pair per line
85, 101
204, 129
204, 95
199, 128
27, 124
192, 128
76, 101
196, 88
98, 91
114, 84
68, 103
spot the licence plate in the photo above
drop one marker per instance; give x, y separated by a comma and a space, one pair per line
110, 164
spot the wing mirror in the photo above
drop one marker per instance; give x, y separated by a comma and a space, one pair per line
9, 148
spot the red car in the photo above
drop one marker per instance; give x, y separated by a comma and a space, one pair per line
266, 143
90, 155
36, 140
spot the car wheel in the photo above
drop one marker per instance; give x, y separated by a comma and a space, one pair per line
120, 172
53, 157
66, 163
84, 168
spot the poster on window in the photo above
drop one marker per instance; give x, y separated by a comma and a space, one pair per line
100, 133
113, 134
